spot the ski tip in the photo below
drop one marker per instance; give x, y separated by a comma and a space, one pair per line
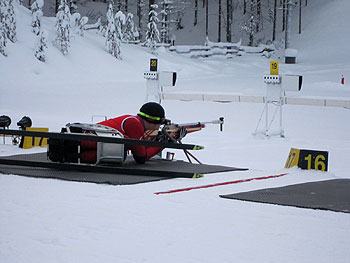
197, 175
198, 147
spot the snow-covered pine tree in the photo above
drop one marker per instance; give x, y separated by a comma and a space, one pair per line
41, 46
112, 41
249, 26
63, 27
152, 34
78, 23
129, 32
10, 21
37, 14
81, 26
165, 14
3, 36
3, 40
119, 24
171, 14
74, 20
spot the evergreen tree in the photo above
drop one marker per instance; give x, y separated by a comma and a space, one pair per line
129, 32
152, 34
63, 27
3, 40
165, 21
41, 46
78, 23
112, 41
120, 24
171, 13
10, 21
74, 20
3, 36
37, 14
81, 25
249, 26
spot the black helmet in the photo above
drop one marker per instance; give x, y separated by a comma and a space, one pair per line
152, 112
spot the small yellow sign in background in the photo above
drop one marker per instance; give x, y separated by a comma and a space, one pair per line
153, 64
274, 67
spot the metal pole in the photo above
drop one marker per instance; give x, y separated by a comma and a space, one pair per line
299, 16
281, 129
267, 117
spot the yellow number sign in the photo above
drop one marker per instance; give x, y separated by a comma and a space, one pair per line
293, 158
307, 159
153, 65
274, 67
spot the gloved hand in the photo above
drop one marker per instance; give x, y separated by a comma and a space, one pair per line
181, 133
161, 137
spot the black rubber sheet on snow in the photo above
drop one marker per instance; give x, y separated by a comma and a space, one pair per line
110, 178
333, 195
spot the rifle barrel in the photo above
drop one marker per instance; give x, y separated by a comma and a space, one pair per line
220, 121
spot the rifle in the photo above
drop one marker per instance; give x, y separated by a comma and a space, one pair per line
173, 128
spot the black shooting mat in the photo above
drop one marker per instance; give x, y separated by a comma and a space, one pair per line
110, 178
333, 195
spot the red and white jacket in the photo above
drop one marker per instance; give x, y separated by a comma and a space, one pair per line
133, 127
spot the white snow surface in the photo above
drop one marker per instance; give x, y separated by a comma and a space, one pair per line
44, 220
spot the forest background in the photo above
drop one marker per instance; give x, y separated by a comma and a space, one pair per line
190, 22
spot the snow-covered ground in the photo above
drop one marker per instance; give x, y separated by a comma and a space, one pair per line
45, 220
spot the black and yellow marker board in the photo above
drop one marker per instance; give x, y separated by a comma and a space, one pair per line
307, 159
153, 64
274, 67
